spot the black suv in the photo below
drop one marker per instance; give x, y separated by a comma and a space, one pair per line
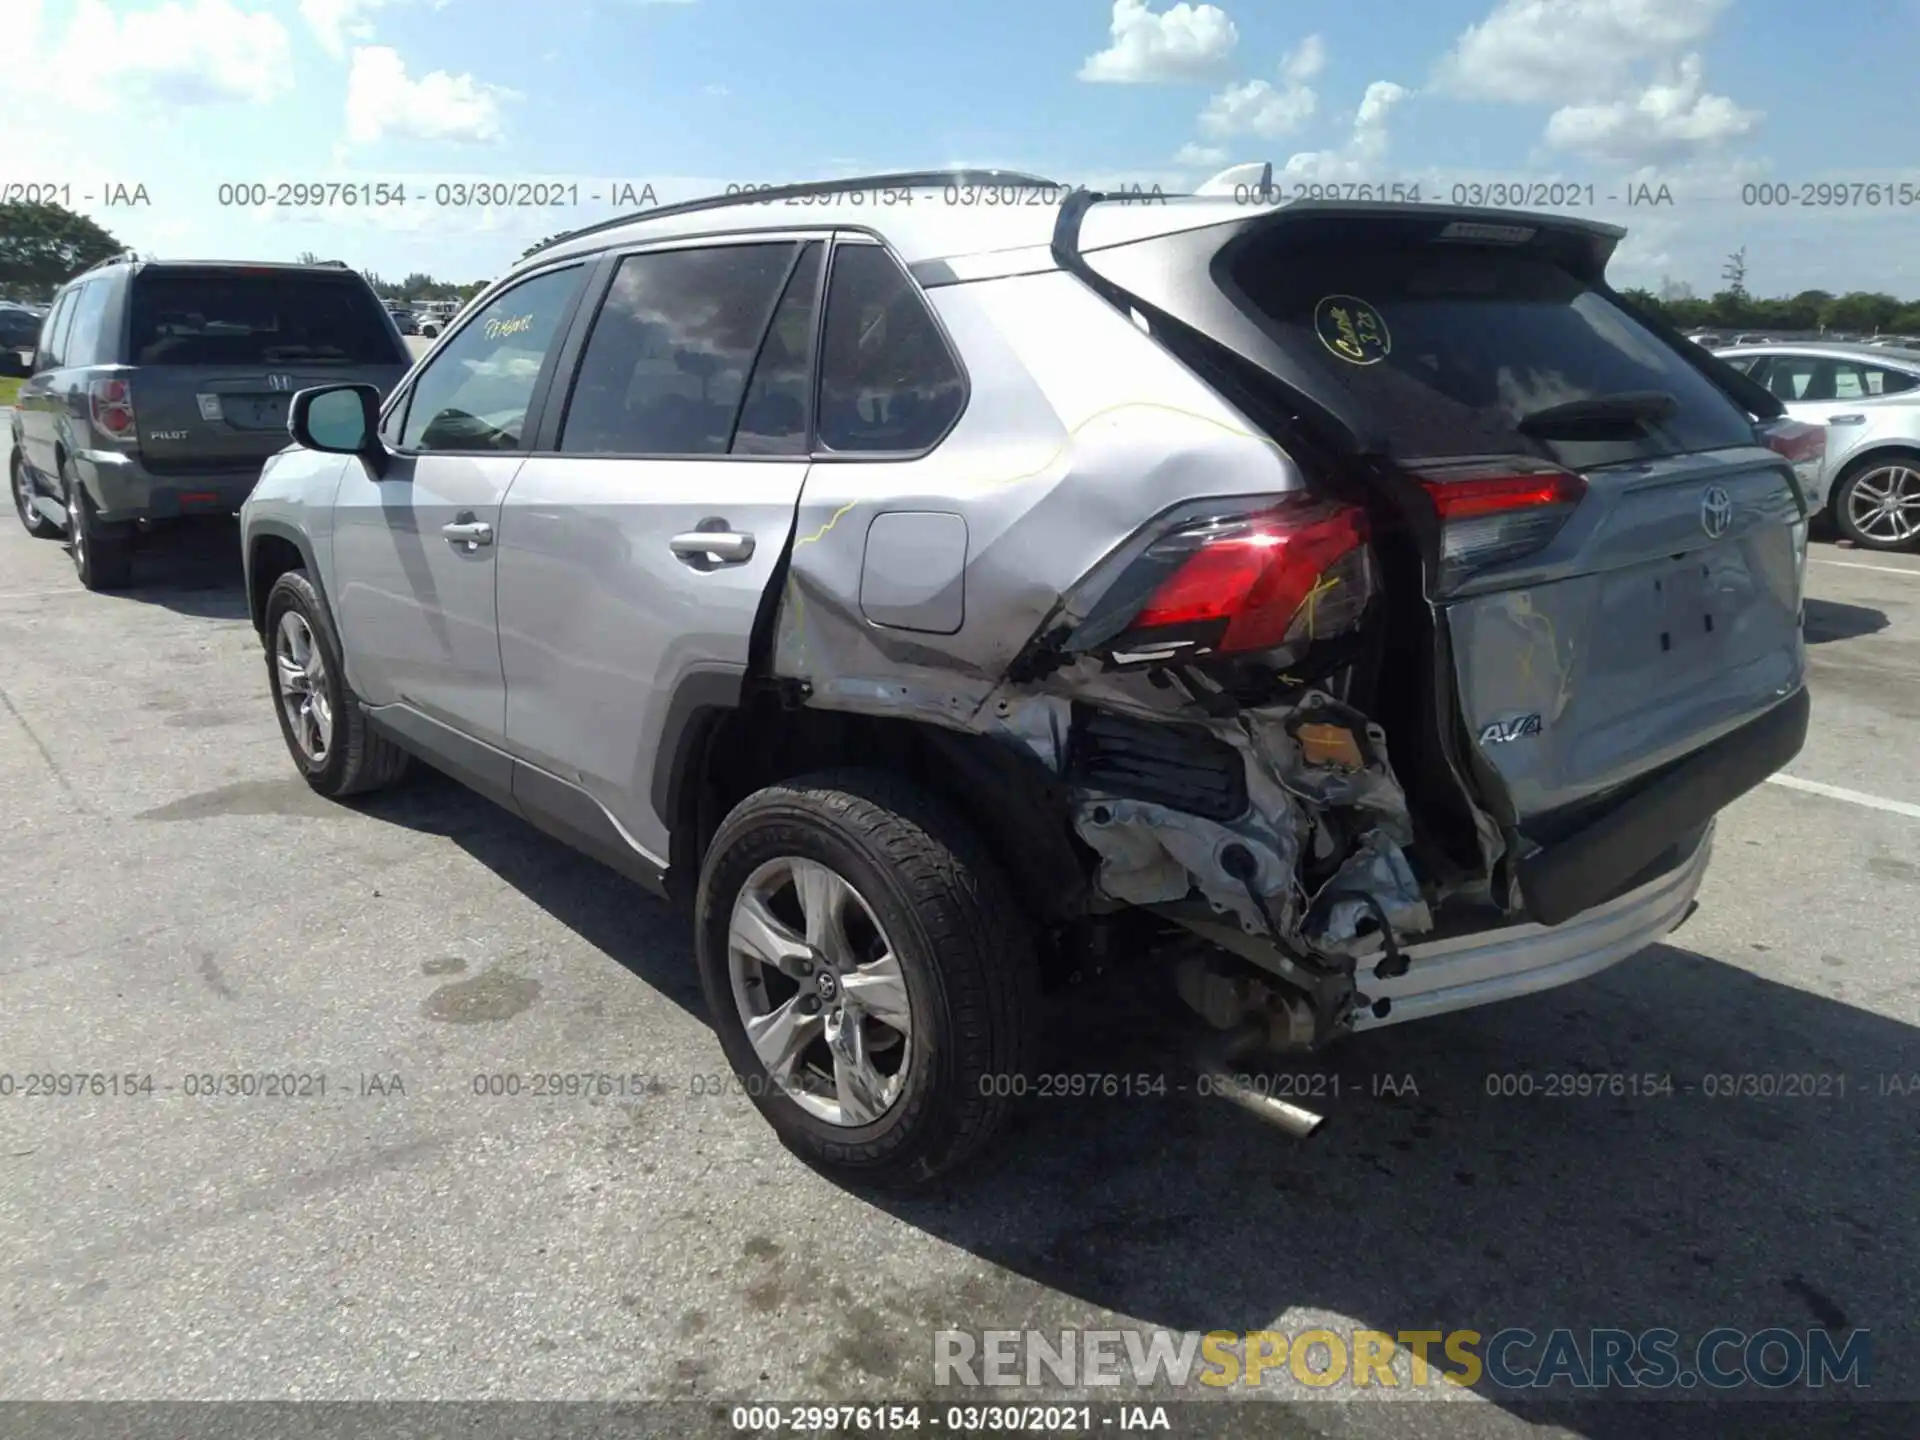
159, 389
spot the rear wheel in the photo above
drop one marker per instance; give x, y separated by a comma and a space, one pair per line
869, 974
102, 554
36, 524
1877, 502
327, 735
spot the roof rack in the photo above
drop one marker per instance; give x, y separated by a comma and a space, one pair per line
899, 180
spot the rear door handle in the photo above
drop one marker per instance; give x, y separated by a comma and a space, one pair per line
1846, 419
728, 547
468, 534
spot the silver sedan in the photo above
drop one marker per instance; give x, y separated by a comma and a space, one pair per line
1869, 400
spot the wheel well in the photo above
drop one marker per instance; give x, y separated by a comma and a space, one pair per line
268, 558
1017, 805
1880, 453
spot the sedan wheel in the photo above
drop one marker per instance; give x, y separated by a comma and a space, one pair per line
1879, 508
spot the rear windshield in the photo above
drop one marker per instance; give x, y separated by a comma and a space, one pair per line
222, 318
1453, 346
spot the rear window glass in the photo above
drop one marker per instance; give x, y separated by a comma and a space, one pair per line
217, 318
1453, 347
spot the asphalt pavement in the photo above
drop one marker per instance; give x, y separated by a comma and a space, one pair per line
175, 903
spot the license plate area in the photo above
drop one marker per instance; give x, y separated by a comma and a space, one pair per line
1684, 609
255, 412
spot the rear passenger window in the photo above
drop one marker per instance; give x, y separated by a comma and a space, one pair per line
666, 365
888, 382
773, 421
85, 342
475, 393
48, 356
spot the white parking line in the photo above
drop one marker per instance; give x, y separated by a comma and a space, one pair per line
41, 594
1852, 797
1856, 565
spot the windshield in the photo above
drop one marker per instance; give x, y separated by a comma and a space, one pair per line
224, 318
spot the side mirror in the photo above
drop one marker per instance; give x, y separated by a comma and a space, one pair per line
339, 420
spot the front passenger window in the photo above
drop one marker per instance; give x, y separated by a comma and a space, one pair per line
475, 394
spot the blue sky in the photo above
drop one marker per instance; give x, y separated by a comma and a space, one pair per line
1701, 96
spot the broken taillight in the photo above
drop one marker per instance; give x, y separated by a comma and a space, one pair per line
1494, 511
1290, 572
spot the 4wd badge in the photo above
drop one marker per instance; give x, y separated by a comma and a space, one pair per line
1518, 728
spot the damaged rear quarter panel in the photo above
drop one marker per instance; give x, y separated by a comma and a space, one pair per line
1079, 431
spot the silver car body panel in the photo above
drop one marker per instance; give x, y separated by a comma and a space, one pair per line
601, 622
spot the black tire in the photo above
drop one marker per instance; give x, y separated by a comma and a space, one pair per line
102, 554
356, 758
21, 483
965, 950
1840, 504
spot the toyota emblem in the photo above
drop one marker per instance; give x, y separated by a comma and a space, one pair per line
1716, 511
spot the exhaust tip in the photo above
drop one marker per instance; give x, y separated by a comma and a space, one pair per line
1295, 1120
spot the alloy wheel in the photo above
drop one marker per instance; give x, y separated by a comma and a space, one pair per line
300, 677
820, 991
1884, 504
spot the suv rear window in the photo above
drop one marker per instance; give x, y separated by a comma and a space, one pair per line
1453, 346
219, 317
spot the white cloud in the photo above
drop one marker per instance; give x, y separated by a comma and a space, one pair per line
336, 22
1538, 51
1366, 148
1667, 120
382, 100
182, 52
1305, 62
1209, 155
1186, 42
1257, 107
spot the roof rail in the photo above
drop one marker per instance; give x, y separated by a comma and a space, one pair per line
899, 180
116, 259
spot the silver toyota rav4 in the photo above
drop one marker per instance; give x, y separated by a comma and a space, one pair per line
938, 579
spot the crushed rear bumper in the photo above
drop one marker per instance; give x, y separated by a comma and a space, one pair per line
1472, 970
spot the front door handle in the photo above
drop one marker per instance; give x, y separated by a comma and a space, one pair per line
1846, 419
468, 534
727, 547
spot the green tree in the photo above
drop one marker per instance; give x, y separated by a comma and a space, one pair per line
42, 246
1862, 312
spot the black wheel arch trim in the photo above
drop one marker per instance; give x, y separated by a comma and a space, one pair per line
279, 530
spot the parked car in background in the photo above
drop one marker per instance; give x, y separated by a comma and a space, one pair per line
934, 596
19, 333
1708, 339
404, 320
159, 389
1869, 399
